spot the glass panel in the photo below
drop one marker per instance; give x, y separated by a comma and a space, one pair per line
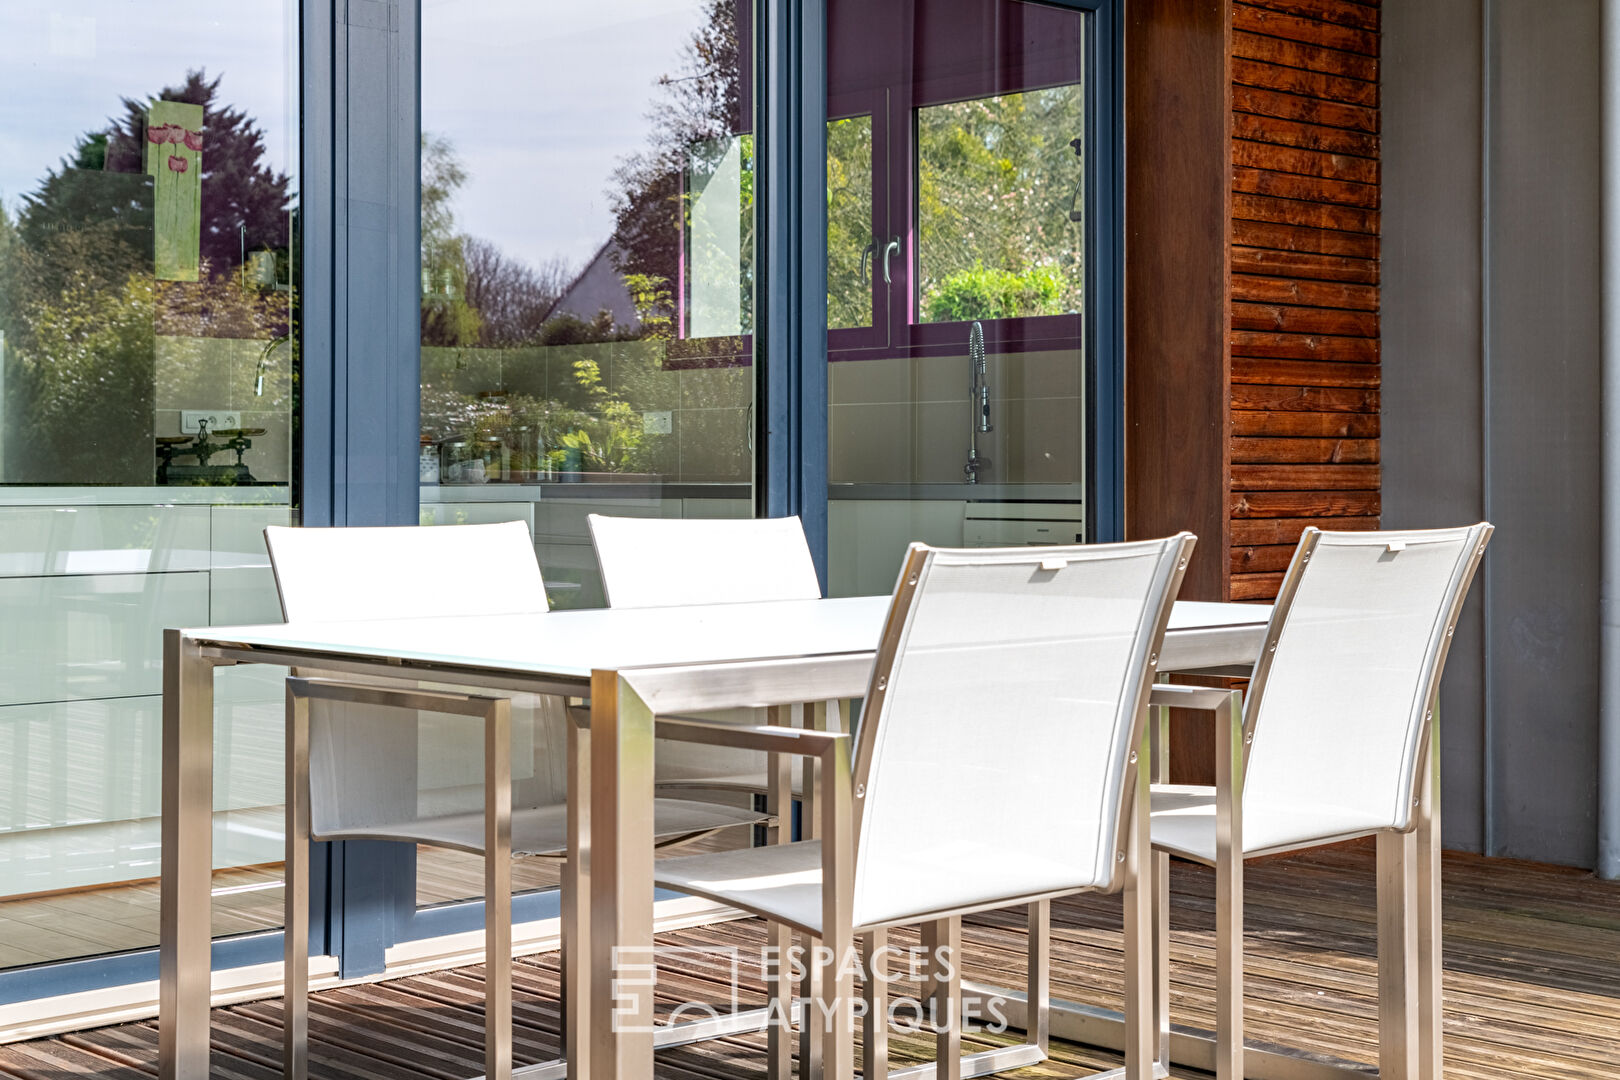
979, 185
587, 299
998, 204
148, 346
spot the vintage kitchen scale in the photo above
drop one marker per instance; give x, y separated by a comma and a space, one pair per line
201, 447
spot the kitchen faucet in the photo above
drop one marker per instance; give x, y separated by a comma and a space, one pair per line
979, 399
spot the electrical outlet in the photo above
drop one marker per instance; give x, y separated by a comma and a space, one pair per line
659, 422
218, 420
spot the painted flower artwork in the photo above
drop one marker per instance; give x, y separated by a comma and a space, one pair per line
175, 135
177, 163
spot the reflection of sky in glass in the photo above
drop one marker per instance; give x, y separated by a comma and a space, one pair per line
65, 65
541, 101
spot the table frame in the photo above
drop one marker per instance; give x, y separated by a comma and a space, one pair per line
607, 901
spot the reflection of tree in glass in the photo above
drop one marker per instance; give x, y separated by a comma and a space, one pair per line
80, 309
994, 177
472, 292
699, 106
849, 222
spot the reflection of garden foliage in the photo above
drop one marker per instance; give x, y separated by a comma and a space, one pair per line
981, 293
849, 221
994, 180
79, 387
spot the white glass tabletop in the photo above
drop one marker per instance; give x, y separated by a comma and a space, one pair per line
570, 644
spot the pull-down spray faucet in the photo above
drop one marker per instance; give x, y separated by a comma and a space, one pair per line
979, 400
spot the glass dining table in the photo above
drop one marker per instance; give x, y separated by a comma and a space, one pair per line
631, 665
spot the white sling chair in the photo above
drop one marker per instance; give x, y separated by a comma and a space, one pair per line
1337, 741
362, 770
1000, 762
658, 562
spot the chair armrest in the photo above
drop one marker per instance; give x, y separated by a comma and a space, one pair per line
769, 738
1206, 698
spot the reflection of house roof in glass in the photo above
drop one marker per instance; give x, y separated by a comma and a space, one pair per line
596, 288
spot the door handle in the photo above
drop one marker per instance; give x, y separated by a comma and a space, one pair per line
890, 249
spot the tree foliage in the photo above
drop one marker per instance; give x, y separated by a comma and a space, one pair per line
995, 176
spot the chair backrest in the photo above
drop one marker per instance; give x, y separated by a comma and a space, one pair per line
1007, 696
1339, 705
400, 572
658, 562
369, 768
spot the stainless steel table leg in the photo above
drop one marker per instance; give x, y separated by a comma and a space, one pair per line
188, 796
620, 922
576, 900
498, 890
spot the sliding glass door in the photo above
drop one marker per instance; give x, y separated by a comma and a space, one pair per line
149, 187
962, 411
587, 304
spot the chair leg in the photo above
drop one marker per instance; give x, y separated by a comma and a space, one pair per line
1160, 734
1038, 990
1431, 1005
942, 941
1138, 897
875, 999
779, 804
295, 894
1397, 957
1229, 891
498, 891
1161, 962
779, 985
811, 1043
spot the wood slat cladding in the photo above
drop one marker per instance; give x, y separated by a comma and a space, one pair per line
1304, 341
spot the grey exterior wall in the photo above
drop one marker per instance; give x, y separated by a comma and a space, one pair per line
1491, 347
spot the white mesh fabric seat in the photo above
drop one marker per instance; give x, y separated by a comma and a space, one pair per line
999, 734
658, 562
1340, 738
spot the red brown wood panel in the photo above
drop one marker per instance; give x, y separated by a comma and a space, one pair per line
1323, 425
1291, 54
1341, 12
1284, 105
1302, 135
1258, 451
1304, 305
1303, 320
1178, 112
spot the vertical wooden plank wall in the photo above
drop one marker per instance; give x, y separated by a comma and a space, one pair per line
1304, 279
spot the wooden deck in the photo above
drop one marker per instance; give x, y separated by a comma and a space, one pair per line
1532, 985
